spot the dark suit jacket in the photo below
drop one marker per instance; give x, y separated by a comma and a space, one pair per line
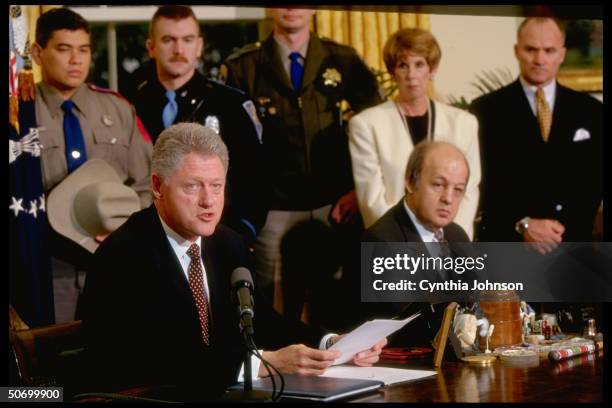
524, 176
396, 226
141, 322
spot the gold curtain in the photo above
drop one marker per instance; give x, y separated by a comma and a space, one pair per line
366, 31
33, 12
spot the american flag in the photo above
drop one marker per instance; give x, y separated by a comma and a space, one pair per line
31, 282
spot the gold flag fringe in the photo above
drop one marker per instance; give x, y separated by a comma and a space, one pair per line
14, 112
27, 90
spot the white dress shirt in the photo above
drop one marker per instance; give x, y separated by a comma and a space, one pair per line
180, 246
425, 234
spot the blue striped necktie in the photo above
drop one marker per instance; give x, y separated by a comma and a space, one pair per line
76, 154
170, 110
297, 71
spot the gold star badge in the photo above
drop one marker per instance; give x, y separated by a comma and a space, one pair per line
332, 77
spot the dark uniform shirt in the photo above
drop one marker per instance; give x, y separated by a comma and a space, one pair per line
232, 115
305, 142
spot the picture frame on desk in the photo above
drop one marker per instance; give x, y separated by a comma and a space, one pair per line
446, 334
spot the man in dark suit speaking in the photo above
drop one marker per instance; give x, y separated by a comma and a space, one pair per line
542, 148
158, 304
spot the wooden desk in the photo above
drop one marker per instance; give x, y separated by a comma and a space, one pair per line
574, 380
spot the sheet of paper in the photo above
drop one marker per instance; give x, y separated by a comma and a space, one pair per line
384, 374
367, 335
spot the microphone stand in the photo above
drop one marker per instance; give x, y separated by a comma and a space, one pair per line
248, 377
247, 394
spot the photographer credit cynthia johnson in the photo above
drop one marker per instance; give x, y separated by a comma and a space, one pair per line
450, 285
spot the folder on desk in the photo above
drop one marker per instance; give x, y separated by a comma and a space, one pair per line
316, 388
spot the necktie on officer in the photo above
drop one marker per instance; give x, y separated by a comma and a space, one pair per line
170, 110
76, 154
196, 283
297, 71
543, 113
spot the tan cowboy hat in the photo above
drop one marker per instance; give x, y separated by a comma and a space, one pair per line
91, 201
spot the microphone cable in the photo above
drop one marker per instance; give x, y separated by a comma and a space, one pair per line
269, 368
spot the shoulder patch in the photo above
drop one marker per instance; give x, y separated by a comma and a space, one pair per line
249, 107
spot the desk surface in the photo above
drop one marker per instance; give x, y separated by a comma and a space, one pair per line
576, 380
579, 379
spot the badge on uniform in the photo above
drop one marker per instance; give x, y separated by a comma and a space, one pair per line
332, 77
212, 122
107, 120
249, 107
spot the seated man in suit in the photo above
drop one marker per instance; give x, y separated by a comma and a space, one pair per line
436, 177
158, 303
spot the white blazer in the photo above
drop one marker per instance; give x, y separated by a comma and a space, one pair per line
380, 147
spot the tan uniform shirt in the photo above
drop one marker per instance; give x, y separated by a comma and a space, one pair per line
110, 132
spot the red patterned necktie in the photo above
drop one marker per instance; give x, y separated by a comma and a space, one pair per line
444, 249
196, 283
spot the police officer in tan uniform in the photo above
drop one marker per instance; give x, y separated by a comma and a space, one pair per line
78, 122
108, 123
298, 81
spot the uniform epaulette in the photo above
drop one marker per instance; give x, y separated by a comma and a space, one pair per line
141, 127
326, 39
142, 84
335, 43
212, 83
246, 49
96, 88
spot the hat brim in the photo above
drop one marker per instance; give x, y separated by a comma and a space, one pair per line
60, 208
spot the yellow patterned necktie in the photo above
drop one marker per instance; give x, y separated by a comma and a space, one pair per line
543, 114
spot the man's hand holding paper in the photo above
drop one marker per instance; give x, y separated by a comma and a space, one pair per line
363, 345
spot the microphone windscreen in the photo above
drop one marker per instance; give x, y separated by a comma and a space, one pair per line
241, 274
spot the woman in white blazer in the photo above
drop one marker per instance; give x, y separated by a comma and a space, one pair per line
382, 137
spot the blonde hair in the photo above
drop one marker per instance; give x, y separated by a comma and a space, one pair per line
414, 40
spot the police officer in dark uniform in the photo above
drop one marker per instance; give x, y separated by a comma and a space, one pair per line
179, 93
299, 82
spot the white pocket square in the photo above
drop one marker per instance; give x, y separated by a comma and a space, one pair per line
581, 134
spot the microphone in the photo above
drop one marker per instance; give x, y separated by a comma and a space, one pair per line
242, 287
